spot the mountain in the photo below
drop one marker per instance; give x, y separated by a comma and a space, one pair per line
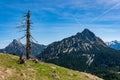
17, 47
84, 52
37, 48
81, 42
14, 47
85, 41
11, 70
114, 44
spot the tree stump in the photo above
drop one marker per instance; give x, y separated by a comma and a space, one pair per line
22, 59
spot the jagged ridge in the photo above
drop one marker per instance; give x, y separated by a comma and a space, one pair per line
17, 47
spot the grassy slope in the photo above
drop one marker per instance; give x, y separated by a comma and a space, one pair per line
11, 70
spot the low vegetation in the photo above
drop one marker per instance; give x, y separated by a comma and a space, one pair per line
11, 70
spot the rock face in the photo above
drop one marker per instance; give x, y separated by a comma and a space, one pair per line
17, 47
81, 42
114, 44
84, 52
85, 41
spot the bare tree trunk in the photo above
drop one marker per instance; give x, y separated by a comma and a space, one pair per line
28, 37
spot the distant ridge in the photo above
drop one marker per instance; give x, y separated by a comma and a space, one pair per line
114, 44
17, 47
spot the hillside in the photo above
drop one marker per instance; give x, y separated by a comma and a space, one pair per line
11, 70
84, 52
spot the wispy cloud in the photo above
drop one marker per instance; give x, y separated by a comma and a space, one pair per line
106, 11
63, 17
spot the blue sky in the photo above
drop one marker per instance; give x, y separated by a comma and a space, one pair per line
58, 19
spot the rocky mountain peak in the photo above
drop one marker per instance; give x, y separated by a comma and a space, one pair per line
88, 33
87, 36
15, 43
17, 47
81, 42
86, 30
14, 40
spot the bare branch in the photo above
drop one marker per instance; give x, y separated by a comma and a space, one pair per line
21, 38
22, 31
34, 39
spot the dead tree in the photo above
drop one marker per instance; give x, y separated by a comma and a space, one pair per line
28, 36
26, 26
22, 59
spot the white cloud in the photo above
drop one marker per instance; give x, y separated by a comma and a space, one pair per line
108, 1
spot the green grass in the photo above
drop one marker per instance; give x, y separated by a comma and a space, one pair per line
35, 71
